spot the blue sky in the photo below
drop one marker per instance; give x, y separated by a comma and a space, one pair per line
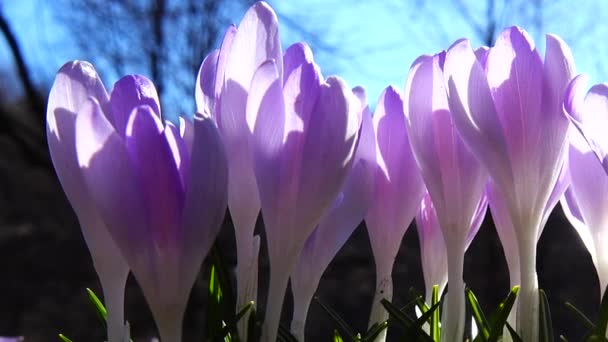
367, 43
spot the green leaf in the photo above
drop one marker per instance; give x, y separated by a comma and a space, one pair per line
100, 309
480, 319
581, 316
416, 296
546, 325
337, 337
562, 338
501, 314
63, 338
346, 329
435, 332
602, 323
374, 331
514, 336
285, 335
414, 331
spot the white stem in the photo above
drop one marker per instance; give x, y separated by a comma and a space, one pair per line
528, 305
113, 288
247, 282
279, 278
453, 325
384, 290
301, 303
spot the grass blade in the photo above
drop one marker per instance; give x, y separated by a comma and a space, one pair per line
546, 325
480, 318
346, 329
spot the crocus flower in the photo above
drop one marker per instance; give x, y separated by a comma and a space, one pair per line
433, 254
303, 146
161, 195
586, 201
75, 82
398, 189
222, 88
589, 114
509, 112
455, 180
337, 224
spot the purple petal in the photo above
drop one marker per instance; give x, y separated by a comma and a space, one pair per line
515, 76
478, 217
575, 217
156, 170
256, 41
116, 194
328, 148
398, 185
186, 132
473, 111
130, 92
559, 70
589, 116
205, 198
266, 97
505, 230
348, 210
453, 176
302, 85
204, 93
224, 52
481, 53
74, 82
433, 255
179, 149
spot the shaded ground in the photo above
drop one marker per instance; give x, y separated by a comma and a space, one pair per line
45, 267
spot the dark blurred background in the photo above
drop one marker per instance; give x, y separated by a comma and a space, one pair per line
44, 262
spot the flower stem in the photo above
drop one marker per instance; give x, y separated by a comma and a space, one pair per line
113, 286
528, 305
247, 282
384, 290
302, 296
279, 278
453, 323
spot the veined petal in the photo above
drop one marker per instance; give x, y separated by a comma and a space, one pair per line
473, 111
128, 93
158, 177
117, 194
205, 199
204, 93
595, 121
482, 55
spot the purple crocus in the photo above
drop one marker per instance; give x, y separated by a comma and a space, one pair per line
508, 110
336, 226
589, 114
222, 89
586, 200
455, 180
161, 195
74, 84
303, 146
398, 189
